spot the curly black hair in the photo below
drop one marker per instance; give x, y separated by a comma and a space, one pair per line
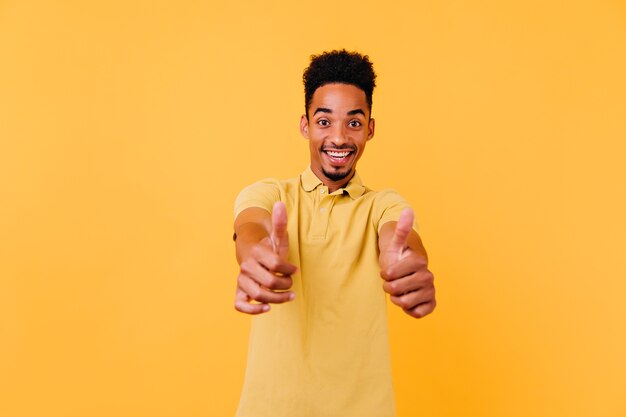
339, 67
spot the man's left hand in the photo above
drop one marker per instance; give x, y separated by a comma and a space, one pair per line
404, 267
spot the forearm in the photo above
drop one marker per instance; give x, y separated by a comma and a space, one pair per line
247, 236
251, 226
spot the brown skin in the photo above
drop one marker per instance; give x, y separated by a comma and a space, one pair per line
339, 121
262, 246
339, 118
404, 267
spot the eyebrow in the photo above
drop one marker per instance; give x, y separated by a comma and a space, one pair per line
356, 111
322, 110
327, 110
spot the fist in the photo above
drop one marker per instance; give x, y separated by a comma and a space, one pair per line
265, 274
404, 268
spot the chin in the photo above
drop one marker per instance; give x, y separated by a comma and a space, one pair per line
337, 175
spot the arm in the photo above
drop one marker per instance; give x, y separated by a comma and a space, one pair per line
262, 245
404, 267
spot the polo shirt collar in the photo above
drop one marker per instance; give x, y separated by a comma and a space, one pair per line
310, 182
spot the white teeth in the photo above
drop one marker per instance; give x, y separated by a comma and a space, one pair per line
338, 154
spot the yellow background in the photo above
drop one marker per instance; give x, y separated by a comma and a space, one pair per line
127, 129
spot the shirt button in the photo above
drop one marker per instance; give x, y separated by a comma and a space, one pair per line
321, 191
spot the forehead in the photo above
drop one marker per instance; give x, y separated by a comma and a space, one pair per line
340, 98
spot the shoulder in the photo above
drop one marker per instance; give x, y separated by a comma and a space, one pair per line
387, 196
261, 185
263, 194
381, 200
387, 205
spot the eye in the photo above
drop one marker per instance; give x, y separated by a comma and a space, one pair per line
323, 122
354, 123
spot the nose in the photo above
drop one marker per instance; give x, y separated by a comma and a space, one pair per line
339, 136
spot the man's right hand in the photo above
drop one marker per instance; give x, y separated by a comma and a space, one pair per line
265, 273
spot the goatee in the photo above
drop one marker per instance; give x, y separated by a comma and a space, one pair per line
336, 176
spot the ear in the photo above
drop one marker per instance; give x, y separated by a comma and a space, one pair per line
304, 126
371, 125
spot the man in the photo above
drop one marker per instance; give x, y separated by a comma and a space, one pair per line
311, 252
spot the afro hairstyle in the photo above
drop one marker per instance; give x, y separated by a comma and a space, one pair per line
339, 66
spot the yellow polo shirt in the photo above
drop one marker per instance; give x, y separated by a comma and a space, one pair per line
326, 353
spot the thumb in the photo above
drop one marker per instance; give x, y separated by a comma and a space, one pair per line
401, 234
279, 227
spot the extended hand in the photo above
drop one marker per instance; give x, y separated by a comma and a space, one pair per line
265, 273
404, 268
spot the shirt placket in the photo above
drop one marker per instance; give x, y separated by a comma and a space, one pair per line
323, 207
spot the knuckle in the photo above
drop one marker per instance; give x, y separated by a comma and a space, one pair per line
424, 277
389, 271
243, 281
404, 303
271, 282
256, 294
245, 267
240, 279
273, 263
255, 250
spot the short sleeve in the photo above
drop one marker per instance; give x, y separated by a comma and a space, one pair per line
389, 205
262, 194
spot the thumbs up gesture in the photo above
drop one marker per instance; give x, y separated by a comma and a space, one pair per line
265, 273
404, 267
278, 236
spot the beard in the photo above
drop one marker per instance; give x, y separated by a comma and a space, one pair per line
336, 176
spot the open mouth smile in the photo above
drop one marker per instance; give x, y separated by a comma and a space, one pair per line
338, 157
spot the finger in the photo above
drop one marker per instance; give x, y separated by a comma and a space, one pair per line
422, 309
265, 255
402, 231
403, 285
404, 267
243, 304
249, 308
257, 293
413, 299
279, 227
265, 278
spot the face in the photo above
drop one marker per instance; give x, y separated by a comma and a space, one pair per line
338, 127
